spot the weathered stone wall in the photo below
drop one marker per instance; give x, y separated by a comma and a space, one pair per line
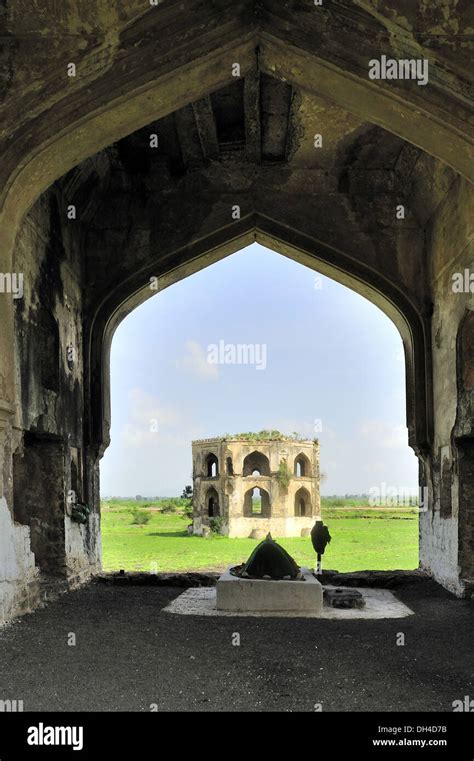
443, 525
46, 454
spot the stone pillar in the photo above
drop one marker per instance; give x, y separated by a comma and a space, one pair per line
447, 463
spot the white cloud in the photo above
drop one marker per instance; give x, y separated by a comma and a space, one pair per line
382, 434
148, 419
195, 362
145, 406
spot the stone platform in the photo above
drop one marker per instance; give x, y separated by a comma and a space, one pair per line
380, 603
265, 595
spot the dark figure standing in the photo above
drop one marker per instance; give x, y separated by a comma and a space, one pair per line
320, 537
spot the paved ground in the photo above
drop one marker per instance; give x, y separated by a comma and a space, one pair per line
129, 655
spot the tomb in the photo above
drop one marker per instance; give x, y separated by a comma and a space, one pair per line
270, 581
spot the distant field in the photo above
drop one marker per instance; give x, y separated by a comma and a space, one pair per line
370, 538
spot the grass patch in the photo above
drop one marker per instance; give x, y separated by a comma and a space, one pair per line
361, 540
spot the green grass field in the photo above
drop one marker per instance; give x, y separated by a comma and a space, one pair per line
362, 539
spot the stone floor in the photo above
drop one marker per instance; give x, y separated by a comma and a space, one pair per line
130, 654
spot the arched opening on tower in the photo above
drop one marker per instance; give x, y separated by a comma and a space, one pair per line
256, 463
212, 466
302, 466
303, 508
257, 503
212, 503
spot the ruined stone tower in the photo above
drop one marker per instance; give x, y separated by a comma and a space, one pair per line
254, 485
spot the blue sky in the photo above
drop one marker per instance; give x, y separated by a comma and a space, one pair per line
333, 368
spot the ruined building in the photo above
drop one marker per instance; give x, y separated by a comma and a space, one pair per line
140, 143
255, 485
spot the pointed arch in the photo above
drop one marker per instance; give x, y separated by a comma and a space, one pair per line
211, 465
302, 466
303, 507
257, 503
256, 463
212, 503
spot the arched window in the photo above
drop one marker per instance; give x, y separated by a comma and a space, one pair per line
302, 503
256, 464
302, 467
212, 503
257, 503
212, 466
229, 466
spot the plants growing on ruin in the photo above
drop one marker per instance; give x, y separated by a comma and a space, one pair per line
283, 474
216, 524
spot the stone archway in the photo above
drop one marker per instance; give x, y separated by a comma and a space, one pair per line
335, 213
